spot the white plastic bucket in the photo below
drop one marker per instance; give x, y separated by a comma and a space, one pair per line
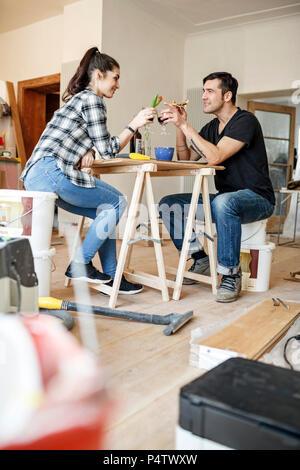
43, 268
254, 233
256, 267
27, 214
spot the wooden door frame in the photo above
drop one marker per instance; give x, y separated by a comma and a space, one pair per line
37, 88
276, 108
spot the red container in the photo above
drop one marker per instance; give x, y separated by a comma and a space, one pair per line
75, 409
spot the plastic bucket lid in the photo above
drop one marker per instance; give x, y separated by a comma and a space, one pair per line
266, 247
44, 254
12, 193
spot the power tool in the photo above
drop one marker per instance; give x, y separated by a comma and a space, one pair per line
18, 280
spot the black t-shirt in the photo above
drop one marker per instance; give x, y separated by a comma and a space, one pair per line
248, 168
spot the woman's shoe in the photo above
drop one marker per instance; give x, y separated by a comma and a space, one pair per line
126, 287
86, 272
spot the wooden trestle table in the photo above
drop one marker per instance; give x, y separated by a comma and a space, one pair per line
145, 170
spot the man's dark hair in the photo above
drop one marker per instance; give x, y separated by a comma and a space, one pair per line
228, 83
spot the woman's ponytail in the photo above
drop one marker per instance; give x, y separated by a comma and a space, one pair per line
92, 60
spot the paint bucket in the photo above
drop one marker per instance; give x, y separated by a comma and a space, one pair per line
43, 265
254, 233
27, 214
256, 266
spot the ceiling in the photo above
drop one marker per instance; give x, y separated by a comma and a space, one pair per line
195, 16
189, 16
17, 13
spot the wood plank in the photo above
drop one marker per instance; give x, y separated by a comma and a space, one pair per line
16, 123
148, 280
191, 275
253, 332
160, 164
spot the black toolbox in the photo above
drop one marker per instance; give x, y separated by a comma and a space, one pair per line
244, 404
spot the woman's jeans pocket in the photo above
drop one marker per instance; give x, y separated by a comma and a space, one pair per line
44, 175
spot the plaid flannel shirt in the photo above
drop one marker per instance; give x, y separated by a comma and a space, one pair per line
74, 129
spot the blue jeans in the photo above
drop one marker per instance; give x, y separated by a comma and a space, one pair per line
103, 203
229, 211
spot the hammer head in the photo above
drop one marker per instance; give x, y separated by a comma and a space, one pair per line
177, 320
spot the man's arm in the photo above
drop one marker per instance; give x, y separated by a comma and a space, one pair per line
214, 154
183, 152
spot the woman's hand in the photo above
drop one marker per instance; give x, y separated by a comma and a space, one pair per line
87, 160
145, 116
174, 114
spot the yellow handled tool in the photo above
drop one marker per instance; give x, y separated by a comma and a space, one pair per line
50, 303
138, 156
173, 320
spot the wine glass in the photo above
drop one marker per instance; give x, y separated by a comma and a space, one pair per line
161, 120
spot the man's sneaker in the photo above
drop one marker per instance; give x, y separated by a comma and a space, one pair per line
200, 266
127, 287
230, 287
86, 272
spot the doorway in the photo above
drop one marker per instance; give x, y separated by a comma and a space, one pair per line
38, 99
278, 126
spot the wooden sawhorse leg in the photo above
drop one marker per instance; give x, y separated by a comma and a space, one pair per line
128, 233
209, 232
199, 184
155, 235
143, 179
75, 245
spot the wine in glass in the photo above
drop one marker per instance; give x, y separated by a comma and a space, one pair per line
161, 119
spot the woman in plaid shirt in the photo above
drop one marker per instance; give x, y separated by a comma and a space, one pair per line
65, 147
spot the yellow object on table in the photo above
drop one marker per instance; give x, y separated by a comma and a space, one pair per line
138, 156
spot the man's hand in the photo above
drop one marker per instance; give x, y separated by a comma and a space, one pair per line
174, 114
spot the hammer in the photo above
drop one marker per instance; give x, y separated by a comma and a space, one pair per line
173, 320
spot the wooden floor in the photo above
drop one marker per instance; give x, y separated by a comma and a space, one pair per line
144, 368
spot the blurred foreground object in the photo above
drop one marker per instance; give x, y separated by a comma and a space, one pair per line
52, 394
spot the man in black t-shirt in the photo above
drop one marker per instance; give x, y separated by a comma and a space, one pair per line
234, 140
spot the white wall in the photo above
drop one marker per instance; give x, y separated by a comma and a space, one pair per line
82, 29
41, 48
150, 55
263, 56
32, 51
